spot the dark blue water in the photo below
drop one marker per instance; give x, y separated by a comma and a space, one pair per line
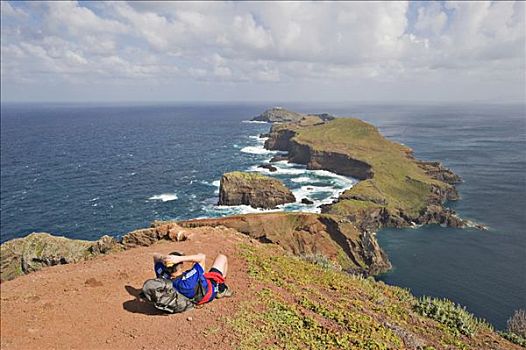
83, 171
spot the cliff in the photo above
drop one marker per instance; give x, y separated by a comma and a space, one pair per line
310, 235
395, 189
280, 302
254, 189
302, 234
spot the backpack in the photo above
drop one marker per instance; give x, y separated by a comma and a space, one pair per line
163, 295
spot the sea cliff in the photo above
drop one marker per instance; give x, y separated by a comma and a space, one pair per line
396, 189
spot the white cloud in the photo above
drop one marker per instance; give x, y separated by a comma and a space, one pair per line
79, 20
346, 44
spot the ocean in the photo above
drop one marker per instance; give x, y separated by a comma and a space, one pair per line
85, 170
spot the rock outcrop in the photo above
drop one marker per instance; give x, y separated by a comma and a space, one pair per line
282, 115
306, 234
269, 167
148, 236
256, 190
37, 250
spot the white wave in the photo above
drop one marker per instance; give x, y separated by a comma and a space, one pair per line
258, 138
257, 150
165, 197
342, 180
301, 179
254, 122
289, 171
214, 183
224, 210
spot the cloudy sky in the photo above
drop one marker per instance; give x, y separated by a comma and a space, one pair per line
259, 51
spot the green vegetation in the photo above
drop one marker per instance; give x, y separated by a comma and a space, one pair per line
300, 305
514, 338
517, 323
246, 175
516, 332
398, 182
455, 317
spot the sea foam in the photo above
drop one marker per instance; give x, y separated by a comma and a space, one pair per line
165, 197
254, 122
257, 150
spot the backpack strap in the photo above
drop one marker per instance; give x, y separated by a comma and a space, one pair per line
208, 294
199, 292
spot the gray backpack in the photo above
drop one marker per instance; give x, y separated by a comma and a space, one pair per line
165, 297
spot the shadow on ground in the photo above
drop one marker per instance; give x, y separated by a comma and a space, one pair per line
139, 306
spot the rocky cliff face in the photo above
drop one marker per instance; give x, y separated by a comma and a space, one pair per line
310, 235
256, 190
37, 250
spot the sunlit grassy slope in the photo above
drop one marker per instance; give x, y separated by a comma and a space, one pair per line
398, 182
300, 305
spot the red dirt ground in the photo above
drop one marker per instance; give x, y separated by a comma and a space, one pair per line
92, 304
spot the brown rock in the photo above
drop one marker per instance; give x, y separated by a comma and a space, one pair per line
310, 235
37, 250
269, 167
256, 190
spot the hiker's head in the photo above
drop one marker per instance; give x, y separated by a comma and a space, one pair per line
176, 268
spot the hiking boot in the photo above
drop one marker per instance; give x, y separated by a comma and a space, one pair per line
224, 294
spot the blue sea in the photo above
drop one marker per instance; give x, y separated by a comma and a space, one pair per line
85, 170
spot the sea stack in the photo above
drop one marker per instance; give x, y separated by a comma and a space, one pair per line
256, 190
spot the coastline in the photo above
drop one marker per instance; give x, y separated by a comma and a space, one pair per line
364, 212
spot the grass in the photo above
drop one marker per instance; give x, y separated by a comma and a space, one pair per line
398, 182
301, 305
256, 178
247, 175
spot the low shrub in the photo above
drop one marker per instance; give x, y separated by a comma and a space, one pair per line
516, 332
517, 323
514, 338
455, 317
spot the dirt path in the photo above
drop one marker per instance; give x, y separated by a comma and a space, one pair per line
91, 305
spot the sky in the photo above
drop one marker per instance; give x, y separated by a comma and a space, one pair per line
263, 51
